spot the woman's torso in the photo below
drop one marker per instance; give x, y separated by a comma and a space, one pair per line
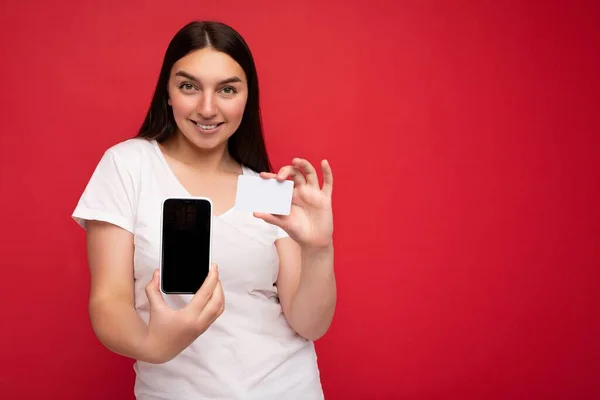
250, 352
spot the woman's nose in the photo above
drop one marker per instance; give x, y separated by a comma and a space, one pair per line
206, 107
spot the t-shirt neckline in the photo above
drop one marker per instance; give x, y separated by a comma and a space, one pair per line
174, 178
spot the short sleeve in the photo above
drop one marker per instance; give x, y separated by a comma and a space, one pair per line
108, 195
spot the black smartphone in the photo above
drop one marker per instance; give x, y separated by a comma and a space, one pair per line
186, 227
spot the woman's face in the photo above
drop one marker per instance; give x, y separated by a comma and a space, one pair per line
207, 92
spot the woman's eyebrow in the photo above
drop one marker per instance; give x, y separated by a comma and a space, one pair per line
191, 77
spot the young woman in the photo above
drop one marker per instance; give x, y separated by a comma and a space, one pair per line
248, 332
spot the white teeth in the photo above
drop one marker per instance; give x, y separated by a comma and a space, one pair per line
207, 127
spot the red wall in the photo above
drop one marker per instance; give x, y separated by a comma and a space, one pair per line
464, 142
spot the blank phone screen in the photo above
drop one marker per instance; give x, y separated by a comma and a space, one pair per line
185, 245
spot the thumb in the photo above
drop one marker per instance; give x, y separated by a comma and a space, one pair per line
273, 219
153, 292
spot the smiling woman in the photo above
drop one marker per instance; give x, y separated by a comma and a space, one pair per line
192, 85
209, 77
249, 331
212, 104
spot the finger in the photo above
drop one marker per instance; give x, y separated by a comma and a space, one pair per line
214, 307
327, 177
268, 175
308, 170
289, 171
277, 220
297, 177
153, 292
203, 294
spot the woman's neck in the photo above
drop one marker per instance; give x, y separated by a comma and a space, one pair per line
206, 161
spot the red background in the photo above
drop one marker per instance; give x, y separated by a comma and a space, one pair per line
464, 142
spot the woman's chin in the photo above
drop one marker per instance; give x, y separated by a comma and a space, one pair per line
207, 143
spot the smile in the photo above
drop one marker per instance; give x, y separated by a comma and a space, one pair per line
204, 127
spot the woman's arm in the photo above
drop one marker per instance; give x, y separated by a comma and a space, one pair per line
306, 282
111, 305
306, 287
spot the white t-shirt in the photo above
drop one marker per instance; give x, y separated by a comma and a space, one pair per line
250, 352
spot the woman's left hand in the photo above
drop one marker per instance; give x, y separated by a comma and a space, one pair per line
310, 222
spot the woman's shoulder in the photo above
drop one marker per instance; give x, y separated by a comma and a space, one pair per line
130, 154
128, 158
131, 148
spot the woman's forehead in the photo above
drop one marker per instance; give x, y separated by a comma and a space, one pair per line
208, 65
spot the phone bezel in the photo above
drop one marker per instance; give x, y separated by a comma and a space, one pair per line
161, 250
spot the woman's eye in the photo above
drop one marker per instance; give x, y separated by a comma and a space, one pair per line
186, 86
229, 90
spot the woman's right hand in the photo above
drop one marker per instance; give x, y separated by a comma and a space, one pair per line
171, 331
